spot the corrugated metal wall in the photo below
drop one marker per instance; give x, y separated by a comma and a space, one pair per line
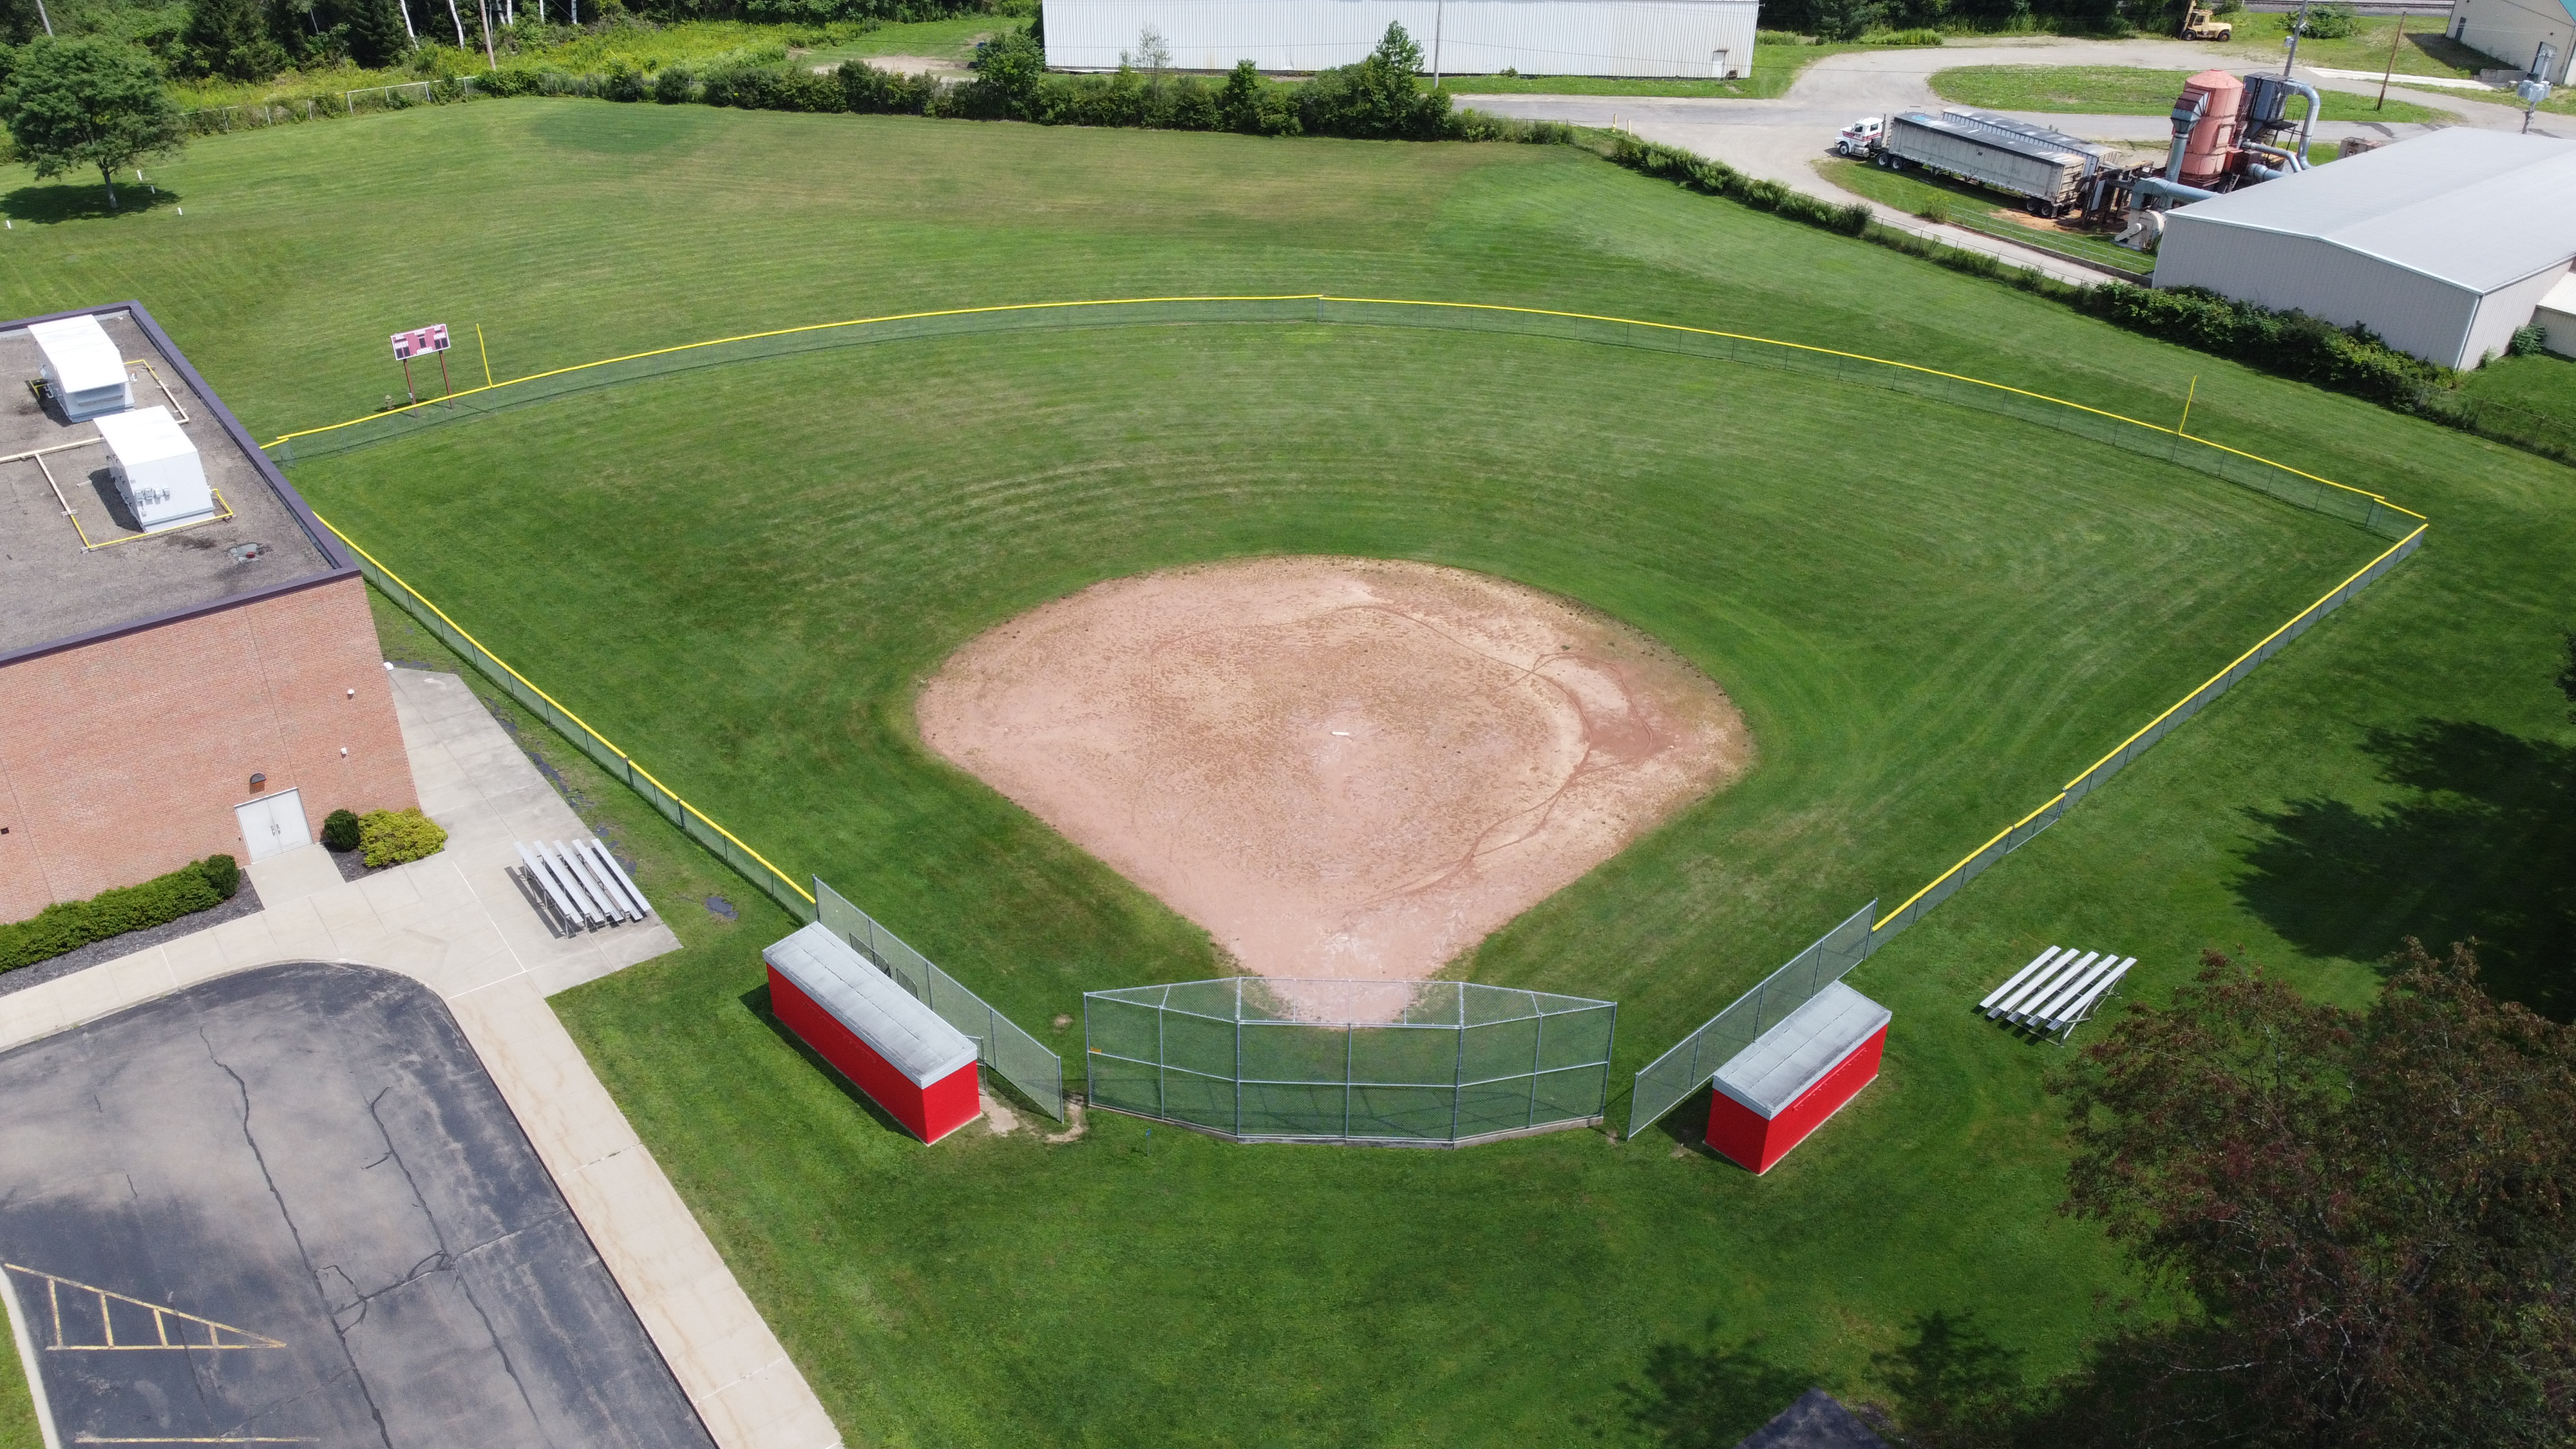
2505, 310
1472, 37
2410, 311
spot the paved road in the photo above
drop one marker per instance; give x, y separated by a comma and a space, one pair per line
308, 1168
1782, 139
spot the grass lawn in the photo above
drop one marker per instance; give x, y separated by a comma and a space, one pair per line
2115, 90
1930, 619
1938, 198
2544, 384
2426, 49
1775, 69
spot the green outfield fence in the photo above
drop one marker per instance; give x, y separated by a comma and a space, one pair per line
2290, 485
753, 866
1670, 1079
1653, 1097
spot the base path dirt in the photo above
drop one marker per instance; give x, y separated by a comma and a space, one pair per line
1343, 768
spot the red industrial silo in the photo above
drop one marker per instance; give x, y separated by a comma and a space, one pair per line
2212, 147
1769, 1096
898, 1051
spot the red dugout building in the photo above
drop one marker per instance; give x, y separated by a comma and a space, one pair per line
898, 1051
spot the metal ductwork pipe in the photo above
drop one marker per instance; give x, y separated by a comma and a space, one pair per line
2186, 114
2172, 192
2316, 108
2261, 172
2289, 162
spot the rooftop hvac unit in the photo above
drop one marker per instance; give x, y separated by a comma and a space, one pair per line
156, 468
83, 366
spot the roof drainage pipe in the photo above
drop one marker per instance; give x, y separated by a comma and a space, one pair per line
2173, 193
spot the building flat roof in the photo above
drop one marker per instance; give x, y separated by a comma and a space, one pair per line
57, 589
2477, 209
909, 1035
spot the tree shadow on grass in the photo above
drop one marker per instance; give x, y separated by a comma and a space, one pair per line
1709, 1395
1954, 1384
70, 201
2482, 846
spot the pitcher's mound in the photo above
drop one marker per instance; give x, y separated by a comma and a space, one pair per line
1340, 767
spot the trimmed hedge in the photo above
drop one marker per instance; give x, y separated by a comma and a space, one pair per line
69, 925
393, 837
1716, 178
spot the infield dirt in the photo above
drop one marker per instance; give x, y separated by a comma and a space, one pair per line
1342, 768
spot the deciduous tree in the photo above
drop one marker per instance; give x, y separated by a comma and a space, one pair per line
90, 102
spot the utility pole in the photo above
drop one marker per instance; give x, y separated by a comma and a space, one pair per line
2393, 42
2298, 28
1439, 13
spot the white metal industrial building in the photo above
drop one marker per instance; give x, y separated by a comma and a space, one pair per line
2442, 244
2514, 30
1458, 37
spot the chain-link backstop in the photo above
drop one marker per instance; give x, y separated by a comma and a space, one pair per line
1000, 1046
1413, 1063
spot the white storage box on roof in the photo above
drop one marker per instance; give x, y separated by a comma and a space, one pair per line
156, 468
83, 365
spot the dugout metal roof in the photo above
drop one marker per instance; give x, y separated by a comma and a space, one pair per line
1796, 1053
909, 1035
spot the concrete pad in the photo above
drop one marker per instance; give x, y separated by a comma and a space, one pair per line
293, 874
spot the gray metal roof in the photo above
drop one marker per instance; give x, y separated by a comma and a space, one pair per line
1796, 1053
908, 1034
2477, 209
2022, 138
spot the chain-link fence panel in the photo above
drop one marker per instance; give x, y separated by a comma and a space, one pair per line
1000, 1045
1670, 1079
1436, 1063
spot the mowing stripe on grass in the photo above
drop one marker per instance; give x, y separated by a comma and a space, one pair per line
800, 902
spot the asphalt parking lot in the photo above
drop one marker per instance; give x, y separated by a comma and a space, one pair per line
288, 1206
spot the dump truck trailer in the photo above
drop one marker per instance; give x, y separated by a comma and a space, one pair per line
2047, 169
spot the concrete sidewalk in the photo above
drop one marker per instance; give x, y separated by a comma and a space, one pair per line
459, 924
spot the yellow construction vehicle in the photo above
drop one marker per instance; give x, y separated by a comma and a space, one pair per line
2201, 25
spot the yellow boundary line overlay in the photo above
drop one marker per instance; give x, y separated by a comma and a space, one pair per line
558, 707
1322, 297
2060, 796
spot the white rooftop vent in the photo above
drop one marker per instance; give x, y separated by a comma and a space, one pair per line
156, 468
84, 365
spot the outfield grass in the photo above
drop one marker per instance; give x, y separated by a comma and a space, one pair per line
1930, 619
1939, 198
2426, 49
2117, 90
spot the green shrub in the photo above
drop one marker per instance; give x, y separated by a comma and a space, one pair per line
1379, 98
393, 837
223, 873
2528, 341
2337, 21
70, 925
340, 830
1902, 37
870, 91
622, 83
675, 85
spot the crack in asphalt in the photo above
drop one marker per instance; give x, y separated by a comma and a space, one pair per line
446, 1261
251, 1139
